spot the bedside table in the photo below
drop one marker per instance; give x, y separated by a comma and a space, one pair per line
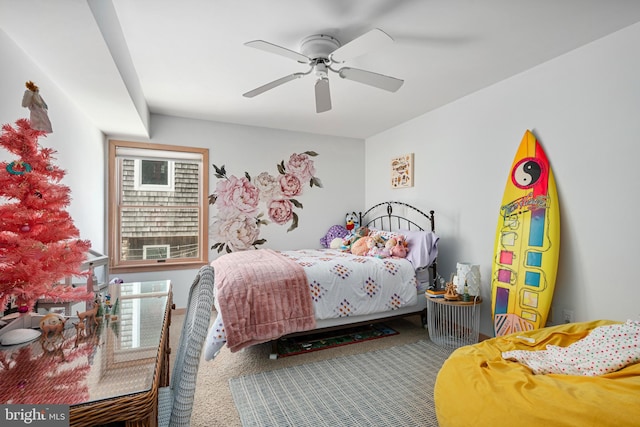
453, 324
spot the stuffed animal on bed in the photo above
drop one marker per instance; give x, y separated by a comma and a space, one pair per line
351, 239
336, 243
359, 245
334, 232
400, 249
376, 245
352, 222
388, 246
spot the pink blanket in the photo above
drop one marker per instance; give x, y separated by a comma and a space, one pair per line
261, 296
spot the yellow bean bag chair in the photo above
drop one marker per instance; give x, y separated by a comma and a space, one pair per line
476, 386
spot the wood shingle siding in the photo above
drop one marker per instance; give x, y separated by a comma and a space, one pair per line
161, 213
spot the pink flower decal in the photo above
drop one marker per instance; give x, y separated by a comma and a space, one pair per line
240, 201
268, 186
281, 211
301, 166
237, 194
239, 232
290, 185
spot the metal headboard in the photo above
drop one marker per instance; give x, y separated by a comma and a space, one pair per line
391, 221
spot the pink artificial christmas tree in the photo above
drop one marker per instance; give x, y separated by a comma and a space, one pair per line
39, 244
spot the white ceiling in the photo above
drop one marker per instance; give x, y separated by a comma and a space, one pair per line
120, 59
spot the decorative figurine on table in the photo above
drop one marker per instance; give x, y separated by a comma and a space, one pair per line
89, 319
80, 330
107, 306
450, 293
52, 327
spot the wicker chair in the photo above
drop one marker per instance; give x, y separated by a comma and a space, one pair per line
175, 402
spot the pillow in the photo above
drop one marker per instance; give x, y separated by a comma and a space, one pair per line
422, 247
216, 338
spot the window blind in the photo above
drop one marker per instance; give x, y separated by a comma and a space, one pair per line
152, 154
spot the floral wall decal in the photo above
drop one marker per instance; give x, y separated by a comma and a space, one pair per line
244, 205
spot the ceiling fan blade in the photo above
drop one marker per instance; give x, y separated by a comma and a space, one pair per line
323, 95
372, 79
273, 84
278, 50
367, 42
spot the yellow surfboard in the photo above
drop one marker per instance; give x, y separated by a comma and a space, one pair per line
527, 244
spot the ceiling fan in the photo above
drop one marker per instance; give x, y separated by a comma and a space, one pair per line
322, 52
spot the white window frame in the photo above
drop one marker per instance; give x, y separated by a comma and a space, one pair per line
138, 185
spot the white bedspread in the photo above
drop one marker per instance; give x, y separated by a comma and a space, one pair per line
344, 285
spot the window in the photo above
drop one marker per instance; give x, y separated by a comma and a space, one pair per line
153, 175
158, 206
156, 252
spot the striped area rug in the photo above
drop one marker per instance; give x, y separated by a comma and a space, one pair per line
390, 387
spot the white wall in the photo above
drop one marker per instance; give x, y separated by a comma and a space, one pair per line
80, 145
584, 108
339, 165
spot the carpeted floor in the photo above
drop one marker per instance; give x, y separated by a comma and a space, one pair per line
214, 405
392, 387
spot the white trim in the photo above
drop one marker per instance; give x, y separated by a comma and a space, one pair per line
137, 181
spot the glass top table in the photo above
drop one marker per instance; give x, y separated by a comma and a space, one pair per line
112, 356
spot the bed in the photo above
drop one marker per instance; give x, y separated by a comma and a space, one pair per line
263, 295
477, 385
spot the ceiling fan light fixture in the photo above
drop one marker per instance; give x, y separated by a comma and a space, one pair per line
320, 52
321, 69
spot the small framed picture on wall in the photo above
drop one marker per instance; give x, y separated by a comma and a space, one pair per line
402, 171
